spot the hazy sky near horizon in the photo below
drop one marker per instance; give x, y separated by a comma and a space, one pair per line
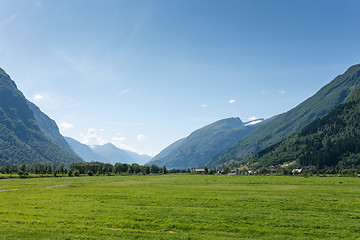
144, 73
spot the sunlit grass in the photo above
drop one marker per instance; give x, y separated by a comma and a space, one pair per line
180, 207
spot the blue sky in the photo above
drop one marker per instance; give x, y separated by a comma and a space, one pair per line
142, 74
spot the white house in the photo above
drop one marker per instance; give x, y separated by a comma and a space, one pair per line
297, 170
198, 170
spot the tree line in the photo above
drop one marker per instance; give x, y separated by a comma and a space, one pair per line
92, 168
77, 169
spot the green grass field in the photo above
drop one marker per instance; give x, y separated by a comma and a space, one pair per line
180, 207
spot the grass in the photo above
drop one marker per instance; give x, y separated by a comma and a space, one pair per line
181, 207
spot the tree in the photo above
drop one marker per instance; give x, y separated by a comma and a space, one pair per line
7, 168
284, 171
22, 174
23, 168
226, 170
14, 168
154, 168
48, 168
136, 168
59, 169
147, 170
263, 170
118, 168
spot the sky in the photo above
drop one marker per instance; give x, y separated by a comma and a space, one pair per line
142, 74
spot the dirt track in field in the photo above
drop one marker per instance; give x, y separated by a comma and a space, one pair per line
18, 189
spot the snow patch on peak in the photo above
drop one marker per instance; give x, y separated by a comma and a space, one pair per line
253, 122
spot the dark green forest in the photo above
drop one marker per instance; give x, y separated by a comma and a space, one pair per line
82, 168
331, 142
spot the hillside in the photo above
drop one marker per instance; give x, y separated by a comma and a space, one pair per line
21, 139
166, 151
203, 144
49, 127
107, 153
331, 142
286, 124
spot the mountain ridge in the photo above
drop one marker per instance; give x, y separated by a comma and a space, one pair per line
203, 143
21, 139
84, 151
288, 123
107, 153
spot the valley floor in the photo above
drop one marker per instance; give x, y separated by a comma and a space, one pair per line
180, 207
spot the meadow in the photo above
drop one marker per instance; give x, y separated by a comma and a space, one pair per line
180, 207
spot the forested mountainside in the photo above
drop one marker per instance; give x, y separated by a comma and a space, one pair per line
21, 139
287, 124
331, 142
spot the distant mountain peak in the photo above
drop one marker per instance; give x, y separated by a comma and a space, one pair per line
230, 120
6, 80
254, 121
106, 153
108, 145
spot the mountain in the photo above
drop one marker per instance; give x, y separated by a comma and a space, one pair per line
107, 153
169, 149
49, 127
113, 154
84, 151
331, 142
287, 124
203, 144
141, 159
21, 139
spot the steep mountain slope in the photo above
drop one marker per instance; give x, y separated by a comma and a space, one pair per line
49, 127
169, 149
203, 144
21, 140
288, 123
331, 141
84, 151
